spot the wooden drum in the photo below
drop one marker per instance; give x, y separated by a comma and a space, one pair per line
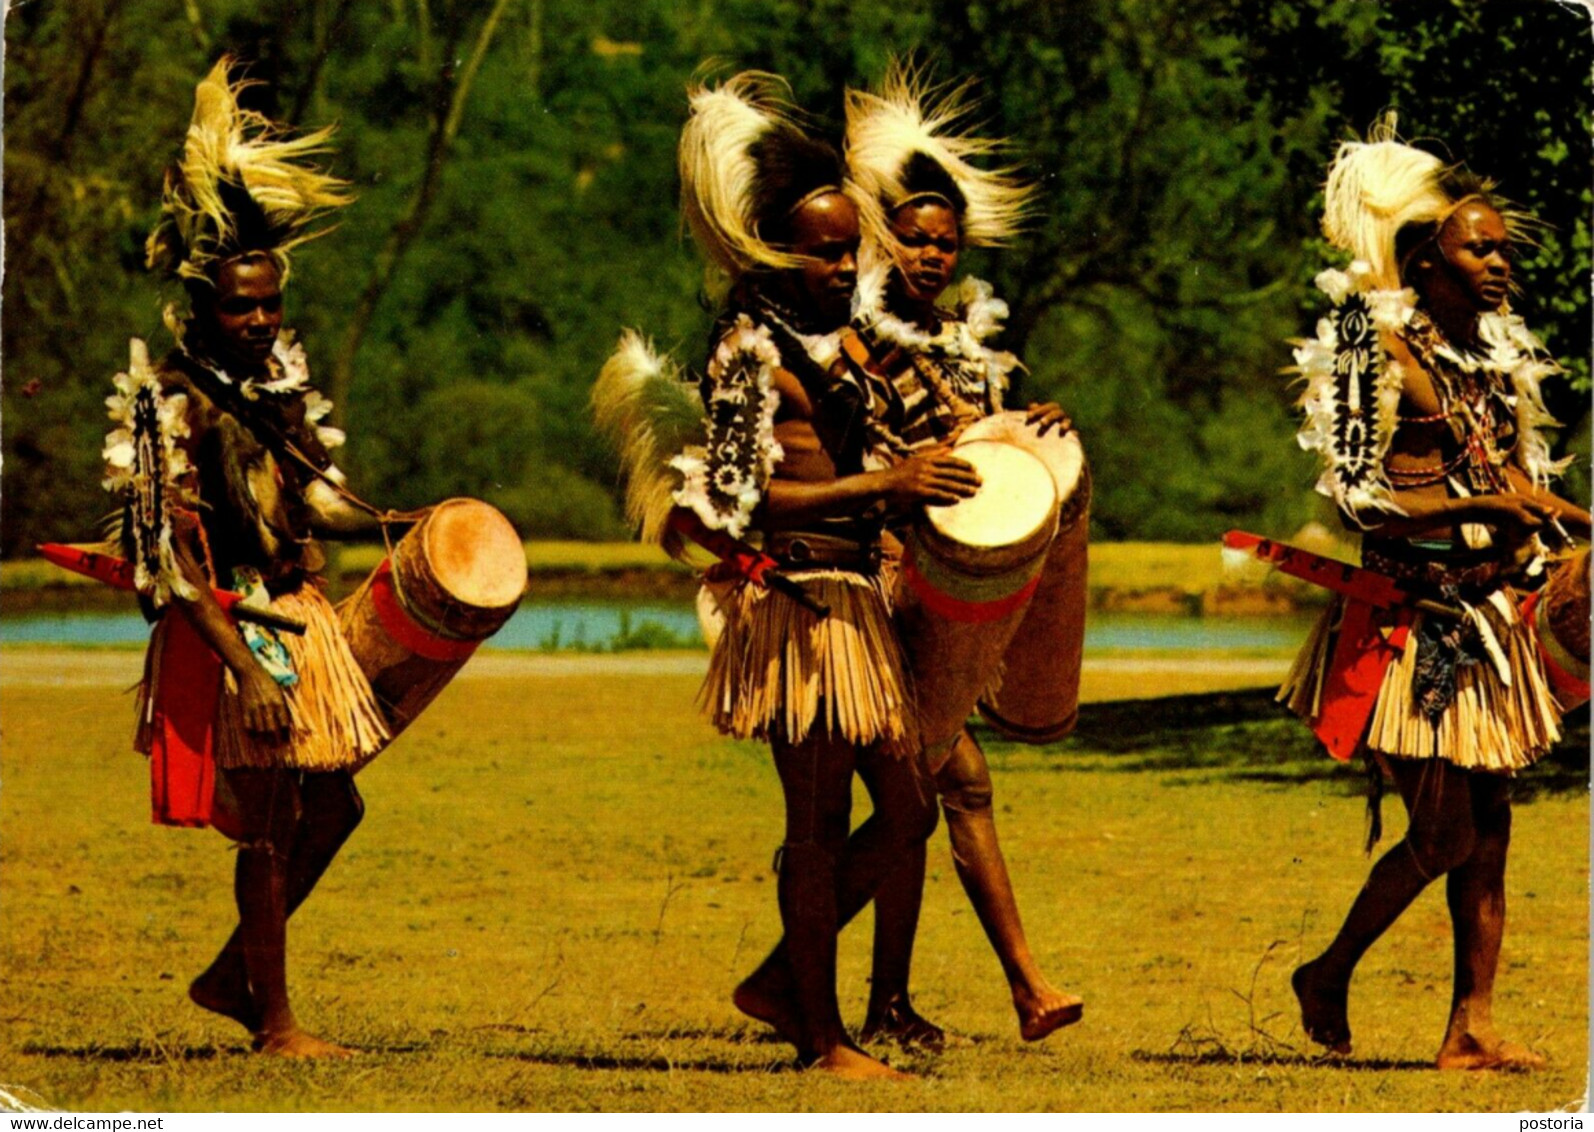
1559, 614
450, 583
968, 572
1038, 697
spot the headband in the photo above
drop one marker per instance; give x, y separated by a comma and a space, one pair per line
811, 196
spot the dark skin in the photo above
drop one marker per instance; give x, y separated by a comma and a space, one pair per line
827, 875
929, 240
1459, 820
293, 823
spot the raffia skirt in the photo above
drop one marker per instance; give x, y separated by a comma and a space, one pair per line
1491, 724
336, 721
777, 671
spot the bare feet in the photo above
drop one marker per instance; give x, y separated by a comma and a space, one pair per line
220, 992
1045, 1009
1323, 1009
767, 999
1466, 1051
897, 1021
854, 1065
296, 1043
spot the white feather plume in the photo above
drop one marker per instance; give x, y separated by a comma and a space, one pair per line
1374, 189
650, 413
229, 145
910, 115
718, 171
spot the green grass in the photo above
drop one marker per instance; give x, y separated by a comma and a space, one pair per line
561, 877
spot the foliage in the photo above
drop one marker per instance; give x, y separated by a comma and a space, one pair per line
464, 305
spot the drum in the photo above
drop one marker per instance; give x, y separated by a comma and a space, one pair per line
1037, 700
1559, 614
450, 583
968, 572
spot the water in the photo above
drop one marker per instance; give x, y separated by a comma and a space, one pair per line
585, 626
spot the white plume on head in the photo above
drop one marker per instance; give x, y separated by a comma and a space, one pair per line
910, 115
645, 408
1374, 189
232, 151
719, 173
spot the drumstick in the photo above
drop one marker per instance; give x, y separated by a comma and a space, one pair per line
754, 565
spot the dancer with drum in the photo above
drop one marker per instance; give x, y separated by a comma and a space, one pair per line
1422, 399
224, 466
779, 457
934, 375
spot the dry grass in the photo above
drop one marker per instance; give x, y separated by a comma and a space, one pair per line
562, 874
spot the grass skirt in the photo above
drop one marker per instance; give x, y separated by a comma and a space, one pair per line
776, 670
1490, 725
336, 721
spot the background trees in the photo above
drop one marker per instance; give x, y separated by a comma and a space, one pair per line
516, 170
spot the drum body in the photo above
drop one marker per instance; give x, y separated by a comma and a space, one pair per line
1559, 614
968, 573
1037, 700
450, 583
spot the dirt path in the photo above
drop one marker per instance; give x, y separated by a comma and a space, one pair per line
1104, 677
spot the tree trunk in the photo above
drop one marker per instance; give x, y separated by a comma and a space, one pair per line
444, 129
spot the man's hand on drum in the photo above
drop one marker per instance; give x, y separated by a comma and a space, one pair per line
265, 708
1047, 416
934, 477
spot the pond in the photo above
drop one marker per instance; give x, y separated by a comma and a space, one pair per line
610, 625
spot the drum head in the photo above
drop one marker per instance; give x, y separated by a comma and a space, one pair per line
1063, 455
1016, 503
475, 554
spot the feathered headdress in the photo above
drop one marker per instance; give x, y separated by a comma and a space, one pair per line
241, 186
746, 166
904, 144
1377, 187
650, 412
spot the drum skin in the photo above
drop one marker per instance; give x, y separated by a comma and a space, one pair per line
450, 583
1559, 614
968, 574
1037, 700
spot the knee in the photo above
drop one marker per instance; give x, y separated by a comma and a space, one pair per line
965, 789
1438, 849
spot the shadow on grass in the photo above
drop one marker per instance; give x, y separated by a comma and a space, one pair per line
1292, 1060
1245, 736
646, 1063
132, 1052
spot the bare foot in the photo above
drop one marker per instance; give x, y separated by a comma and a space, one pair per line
1323, 1009
767, 999
296, 1043
897, 1021
1465, 1051
854, 1065
1044, 1010
220, 992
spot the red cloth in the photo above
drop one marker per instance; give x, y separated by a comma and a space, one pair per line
182, 757
1362, 654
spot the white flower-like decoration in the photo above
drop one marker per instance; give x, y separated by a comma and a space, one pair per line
724, 480
977, 371
147, 466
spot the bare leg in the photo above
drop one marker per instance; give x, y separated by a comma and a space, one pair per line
1476, 894
904, 815
965, 785
1439, 837
269, 808
330, 809
816, 778
896, 923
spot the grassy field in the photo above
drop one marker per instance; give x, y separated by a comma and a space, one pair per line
563, 872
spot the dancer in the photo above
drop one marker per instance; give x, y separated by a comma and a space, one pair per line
225, 473
935, 373
780, 455
1423, 401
